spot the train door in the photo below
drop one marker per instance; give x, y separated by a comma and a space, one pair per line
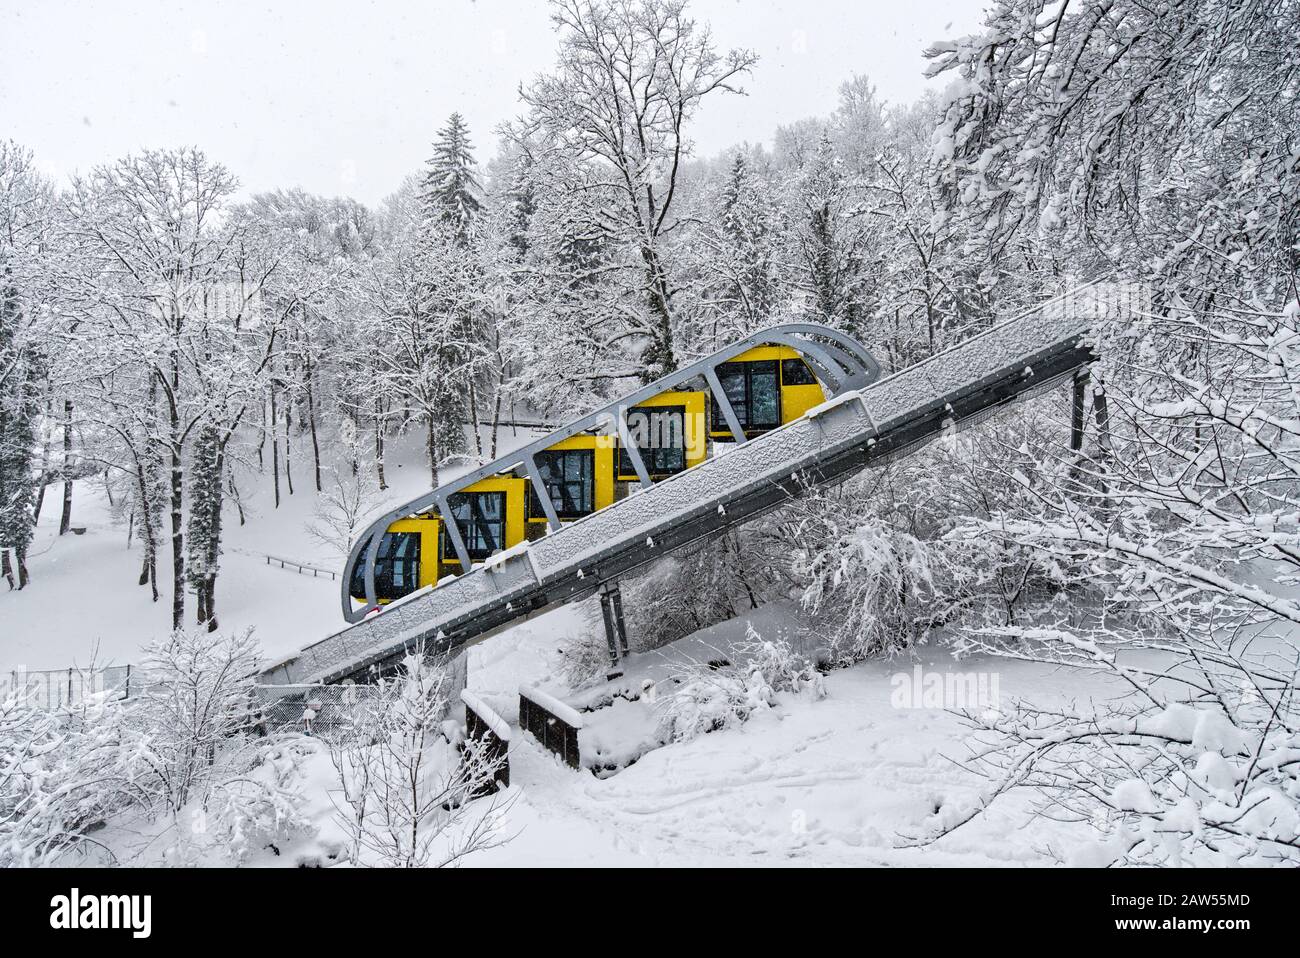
753, 387
578, 475
489, 516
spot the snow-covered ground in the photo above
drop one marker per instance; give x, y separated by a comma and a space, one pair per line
838, 781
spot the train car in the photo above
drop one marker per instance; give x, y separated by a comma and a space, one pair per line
767, 386
416, 551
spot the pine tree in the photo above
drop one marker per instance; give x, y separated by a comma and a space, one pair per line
24, 223
449, 190
832, 243
746, 222
521, 204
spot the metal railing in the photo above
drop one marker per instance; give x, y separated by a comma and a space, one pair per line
293, 565
302, 568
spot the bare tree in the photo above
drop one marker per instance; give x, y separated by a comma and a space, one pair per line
406, 791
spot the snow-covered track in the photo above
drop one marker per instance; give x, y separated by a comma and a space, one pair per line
859, 428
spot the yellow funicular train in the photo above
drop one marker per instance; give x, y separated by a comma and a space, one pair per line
766, 386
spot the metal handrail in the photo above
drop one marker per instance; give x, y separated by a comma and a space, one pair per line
840, 362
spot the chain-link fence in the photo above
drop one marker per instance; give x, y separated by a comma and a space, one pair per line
57, 689
320, 710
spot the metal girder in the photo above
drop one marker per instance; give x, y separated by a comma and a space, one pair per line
633, 453
724, 403
452, 531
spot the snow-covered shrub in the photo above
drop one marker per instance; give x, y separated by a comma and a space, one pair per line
1184, 518
261, 803
900, 552
713, 697
59, 776
869, 580
1160, 779
706, 703
405, 790
781, 668
186, 728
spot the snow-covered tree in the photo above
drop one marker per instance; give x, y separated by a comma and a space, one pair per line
166, 285
630, 77
1157, 144
737, 250
25, 223
450, 192
406, 790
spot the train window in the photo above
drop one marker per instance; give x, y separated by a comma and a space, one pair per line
397, 567
754, 394
795, 372
568, 476
481, 519
659, 433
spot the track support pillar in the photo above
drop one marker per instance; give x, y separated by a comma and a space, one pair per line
611, 609
1076, 418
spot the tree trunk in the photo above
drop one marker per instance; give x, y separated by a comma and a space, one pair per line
379, 444
288, 431
177, 495
432, 448
311, 421
261, 464
45, 477
65, 522
658, 356
178, 530
473, 418
234, 494
148, 568
275, 447
496, 424
208, 587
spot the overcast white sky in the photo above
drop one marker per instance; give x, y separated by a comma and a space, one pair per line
344, 98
